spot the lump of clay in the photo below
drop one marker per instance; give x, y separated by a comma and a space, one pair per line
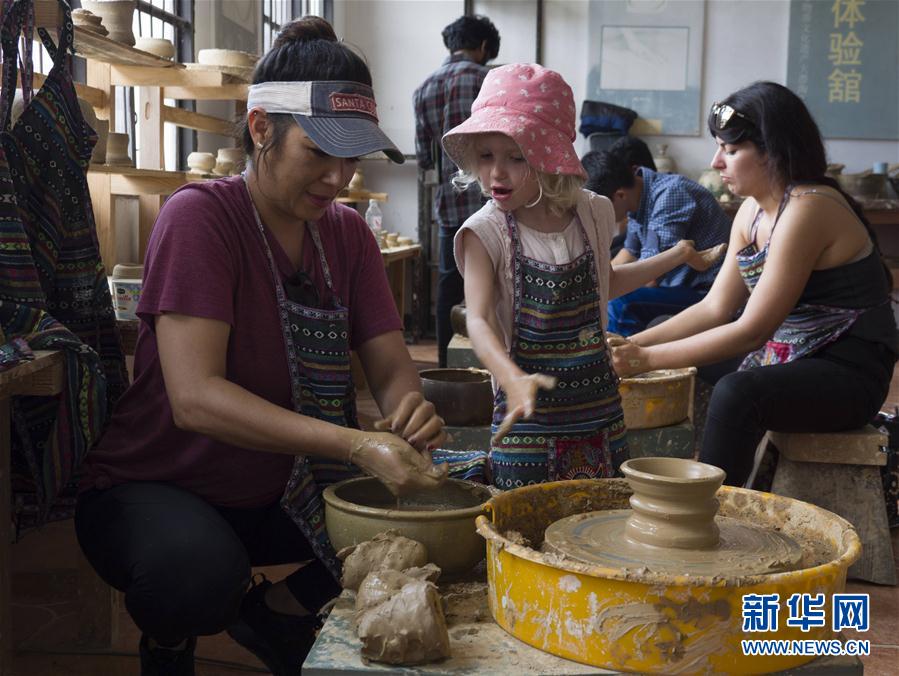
381, 585
385, 551
408, 628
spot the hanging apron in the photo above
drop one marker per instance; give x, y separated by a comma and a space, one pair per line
321, 386
53, 290
48, 151
808, 327
577, 430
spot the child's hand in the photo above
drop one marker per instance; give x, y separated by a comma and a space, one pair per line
629, 359
521, 397
701, 260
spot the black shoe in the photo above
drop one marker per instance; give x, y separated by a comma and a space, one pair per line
161, 661
280, 641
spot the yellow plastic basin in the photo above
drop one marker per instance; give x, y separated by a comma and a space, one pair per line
640, 621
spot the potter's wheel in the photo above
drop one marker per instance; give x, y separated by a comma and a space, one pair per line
743, 548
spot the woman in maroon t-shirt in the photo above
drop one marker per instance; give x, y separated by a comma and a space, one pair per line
256, 289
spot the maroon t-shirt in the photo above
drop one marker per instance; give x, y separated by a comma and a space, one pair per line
206, 259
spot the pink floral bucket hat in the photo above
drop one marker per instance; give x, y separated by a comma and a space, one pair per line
531, 104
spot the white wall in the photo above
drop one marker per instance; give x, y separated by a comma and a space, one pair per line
744, 42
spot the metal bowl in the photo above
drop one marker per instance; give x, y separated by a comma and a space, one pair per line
462, 397
443, 519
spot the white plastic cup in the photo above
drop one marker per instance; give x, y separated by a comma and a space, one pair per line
125, 287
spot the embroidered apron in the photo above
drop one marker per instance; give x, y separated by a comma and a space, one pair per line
577, 430
807, 328
53, 289
321, 384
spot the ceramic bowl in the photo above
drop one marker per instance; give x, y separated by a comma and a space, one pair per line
117, 17
462, 397
442, 519
161, 47
226, 57
865, 186
201, 163
223, 168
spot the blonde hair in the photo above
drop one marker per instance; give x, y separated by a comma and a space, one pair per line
560, 191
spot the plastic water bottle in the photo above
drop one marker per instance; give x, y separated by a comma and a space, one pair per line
373, 218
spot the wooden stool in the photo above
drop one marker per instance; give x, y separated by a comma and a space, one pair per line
840, 472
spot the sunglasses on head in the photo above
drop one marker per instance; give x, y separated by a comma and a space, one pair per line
723, 114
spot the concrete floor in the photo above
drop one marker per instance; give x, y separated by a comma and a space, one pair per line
43, 611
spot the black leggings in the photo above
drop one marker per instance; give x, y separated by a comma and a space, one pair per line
183, 564
822, 393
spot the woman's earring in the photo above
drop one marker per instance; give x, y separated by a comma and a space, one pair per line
259, 145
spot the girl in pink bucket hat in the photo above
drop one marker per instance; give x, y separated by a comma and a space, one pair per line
535, 260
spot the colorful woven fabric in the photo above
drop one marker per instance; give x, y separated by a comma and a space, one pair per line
53, 288
577, 430
468, 465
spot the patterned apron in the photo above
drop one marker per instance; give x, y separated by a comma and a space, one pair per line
321, 384
53, 289
807, 328
577, 430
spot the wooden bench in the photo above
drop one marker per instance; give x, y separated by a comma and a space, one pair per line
840, 471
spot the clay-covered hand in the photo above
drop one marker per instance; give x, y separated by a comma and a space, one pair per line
416, 421
614, 340
629, 359
701, 260
395, 463
521, 398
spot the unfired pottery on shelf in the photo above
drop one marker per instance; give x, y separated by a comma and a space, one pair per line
117, 149
89, 21
201, 163
117, 16
87, 110
226, 57
236, 157
161, 47
665, 164
222, 168
357, 183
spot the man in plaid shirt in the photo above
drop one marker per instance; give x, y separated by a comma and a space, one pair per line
442, 102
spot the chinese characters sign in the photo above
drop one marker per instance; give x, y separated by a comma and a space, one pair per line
844, 63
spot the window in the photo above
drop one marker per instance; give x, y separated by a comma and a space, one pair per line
276, 13
171, 19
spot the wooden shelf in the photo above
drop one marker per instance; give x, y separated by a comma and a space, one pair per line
198, 121
347, 196
132, 182
124, 75
95, 97
100, 48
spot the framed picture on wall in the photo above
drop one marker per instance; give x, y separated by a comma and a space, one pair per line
646, 55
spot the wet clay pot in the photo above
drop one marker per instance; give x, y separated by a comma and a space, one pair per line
442, 519
674, 503
462, 397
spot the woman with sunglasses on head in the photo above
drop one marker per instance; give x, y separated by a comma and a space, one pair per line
805, 268
256, 288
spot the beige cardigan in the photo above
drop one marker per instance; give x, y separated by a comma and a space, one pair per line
489, 224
